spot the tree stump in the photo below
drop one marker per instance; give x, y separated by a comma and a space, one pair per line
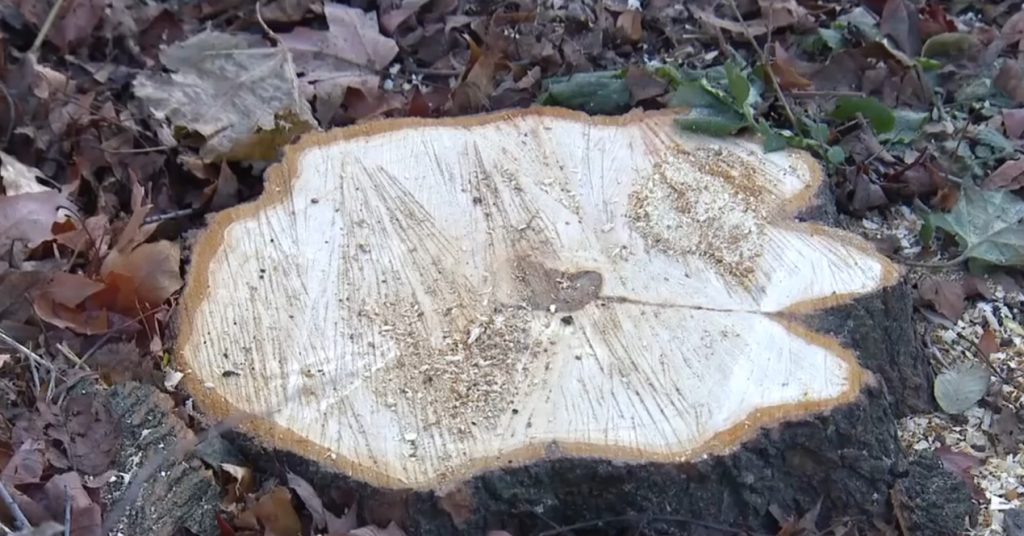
540, 317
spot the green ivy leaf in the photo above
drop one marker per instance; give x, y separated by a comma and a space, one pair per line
739, 87
988, 225
712, 121
878, 114
773, 140
694, 94
600, 93
906, 128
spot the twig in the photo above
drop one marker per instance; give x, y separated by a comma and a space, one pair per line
135, 151
767, 69
938, 265
20, 521
640, 519
156, 218
67, 511
270, 33
25, 351
10, 106
433, 72
814, 94
45, 28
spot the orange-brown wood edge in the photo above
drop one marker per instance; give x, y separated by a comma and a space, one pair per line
278, 187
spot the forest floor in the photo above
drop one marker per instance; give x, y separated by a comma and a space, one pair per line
124, 124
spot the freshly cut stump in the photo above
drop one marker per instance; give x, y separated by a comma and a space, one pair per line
545, 311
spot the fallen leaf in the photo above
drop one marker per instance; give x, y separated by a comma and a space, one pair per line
243, 99
322, 518
946, 296
476, 86
960, 464
26, 465
900, 21
976, 286
785, 71
275, 512
877, 114
598, 93
17, 178
628, 25
28, 218
77, 23
286, 10
373, 530
353, 36
988, 225
752, 28
782, 13
92, 435
1013, 122
245, 482
643, 85
952, 46
458, 502
153, 273
988, 343
1009, 176
345, 56
1013, 31
1007, 428
959, 388
935, 20
85, 514
1010, 80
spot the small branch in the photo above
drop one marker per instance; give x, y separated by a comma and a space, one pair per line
952, 263
816, 94
270, 33
67, 511
45, 29
25, 351
20, 521
10, 106
169, 216
433, 72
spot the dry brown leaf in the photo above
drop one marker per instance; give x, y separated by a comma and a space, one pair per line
1010, 80
29, 218
782, 13
751, 28
458, 502
275, 512
629, 25
354, 36
785, 70
154, 270
322, 517
1009, 176
92, 437
901, 22
85, 514
474, 92
1013, 122
77, 23
643, 85
989, 342
961, 464
1013, 31
245, 482
373, 530
26, 465
946, 296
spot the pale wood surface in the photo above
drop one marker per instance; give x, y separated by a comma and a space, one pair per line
423, 302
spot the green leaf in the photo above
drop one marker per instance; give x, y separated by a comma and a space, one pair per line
599, 93
832, 38
958, 389
773, 140
987, 224
818, 131
669, 74
694, 94
739, 87
907, 127
712, 121
836, 155
878, 114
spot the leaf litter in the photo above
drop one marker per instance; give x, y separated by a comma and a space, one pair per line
115, 159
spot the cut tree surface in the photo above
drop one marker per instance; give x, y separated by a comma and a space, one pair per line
414, 302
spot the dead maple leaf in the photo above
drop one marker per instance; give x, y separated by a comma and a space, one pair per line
347, 55
60, 302
275, 513
241, 97
1009, 176
752, 28
474, 91
78, 23
26, 465
643, 85
946, 296
1013, 122
782, 13
322, 517
28, 219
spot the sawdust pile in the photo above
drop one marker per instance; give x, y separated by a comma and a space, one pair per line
705, 202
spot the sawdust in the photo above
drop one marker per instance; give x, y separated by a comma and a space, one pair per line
705, 202
464, 377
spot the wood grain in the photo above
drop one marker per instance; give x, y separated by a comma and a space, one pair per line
423, 300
